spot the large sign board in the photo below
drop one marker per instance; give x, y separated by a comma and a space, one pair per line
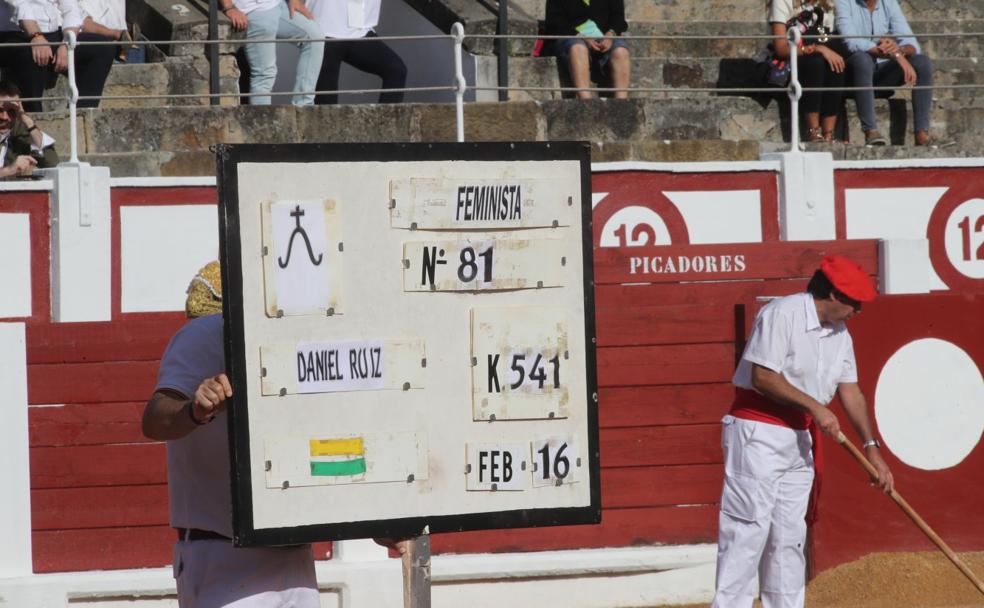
410, 338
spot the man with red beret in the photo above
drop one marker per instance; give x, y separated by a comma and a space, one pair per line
798, 355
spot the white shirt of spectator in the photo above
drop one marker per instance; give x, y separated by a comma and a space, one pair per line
248, 6
345, 18
787, 338
111, 13
49, 14
781, 11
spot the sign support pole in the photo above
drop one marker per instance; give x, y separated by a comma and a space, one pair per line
417, 572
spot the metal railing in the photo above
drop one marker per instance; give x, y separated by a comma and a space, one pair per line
794, 89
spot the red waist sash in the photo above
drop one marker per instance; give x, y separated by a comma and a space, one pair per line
749, 405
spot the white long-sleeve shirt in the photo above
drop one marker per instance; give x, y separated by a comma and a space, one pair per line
49, 14
345, 18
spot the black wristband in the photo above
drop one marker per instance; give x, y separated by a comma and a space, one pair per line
33, 127
191, 414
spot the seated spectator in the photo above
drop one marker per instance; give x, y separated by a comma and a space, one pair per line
268, 19
375, 57
820, 64
596, 25
42, 23
890, 57
23, 145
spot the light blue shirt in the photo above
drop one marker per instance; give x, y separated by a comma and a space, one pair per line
854, 19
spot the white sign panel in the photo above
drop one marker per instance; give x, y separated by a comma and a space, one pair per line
331, 460
481, 203
521, 364
476, 265
335, 366
302, 265
497, 466
409, 338
556, 461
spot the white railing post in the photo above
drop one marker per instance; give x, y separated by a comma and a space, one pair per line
73, 99
795, 89
459, 76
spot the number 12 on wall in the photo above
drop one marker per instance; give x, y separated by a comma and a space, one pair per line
555, 461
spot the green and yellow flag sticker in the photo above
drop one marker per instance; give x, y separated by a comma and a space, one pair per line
338, 457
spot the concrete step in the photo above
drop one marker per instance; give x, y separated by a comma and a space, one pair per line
649, 11
146, 83
176, 134
691, 72
723, 46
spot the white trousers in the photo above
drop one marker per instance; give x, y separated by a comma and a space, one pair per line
214, 574
768, 473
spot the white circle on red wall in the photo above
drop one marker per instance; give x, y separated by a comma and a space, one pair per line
635, 226
929, 404
964, 238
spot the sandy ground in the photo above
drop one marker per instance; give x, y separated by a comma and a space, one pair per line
896, 580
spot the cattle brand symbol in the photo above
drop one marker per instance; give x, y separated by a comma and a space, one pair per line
296, 214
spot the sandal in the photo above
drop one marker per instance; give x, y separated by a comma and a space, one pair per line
828, 136
814, 134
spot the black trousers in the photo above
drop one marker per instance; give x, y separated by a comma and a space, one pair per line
815, 72
374, 57
92, 65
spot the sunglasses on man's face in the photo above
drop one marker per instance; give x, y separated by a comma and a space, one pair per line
10, 109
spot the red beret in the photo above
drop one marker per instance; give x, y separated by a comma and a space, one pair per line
849, 278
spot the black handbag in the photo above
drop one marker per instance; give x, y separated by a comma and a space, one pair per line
809, 22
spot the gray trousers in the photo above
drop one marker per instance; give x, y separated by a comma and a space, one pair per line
866, 71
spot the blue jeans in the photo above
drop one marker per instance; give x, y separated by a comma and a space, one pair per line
262, 56
867, 72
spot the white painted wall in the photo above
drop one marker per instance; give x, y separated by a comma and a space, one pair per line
735, 215
15, 270
806, 195
588, 578
15, 478
81, 243
161, 249
895, 213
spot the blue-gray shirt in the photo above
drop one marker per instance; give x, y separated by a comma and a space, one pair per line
854, 19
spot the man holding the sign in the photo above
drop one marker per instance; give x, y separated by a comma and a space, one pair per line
188, 410
798, 355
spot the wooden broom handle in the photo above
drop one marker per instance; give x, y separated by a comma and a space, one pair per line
908, 510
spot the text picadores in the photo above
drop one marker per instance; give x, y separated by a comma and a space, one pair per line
334, 366
496, 466
302, 257
483, 264
489, 202
520, 363
328, 458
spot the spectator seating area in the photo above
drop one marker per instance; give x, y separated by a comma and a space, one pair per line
153, 137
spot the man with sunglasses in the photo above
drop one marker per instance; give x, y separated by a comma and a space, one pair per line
23, 145
799, 354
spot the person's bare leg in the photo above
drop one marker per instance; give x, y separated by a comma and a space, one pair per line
620, 67
579, 68
827, 125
